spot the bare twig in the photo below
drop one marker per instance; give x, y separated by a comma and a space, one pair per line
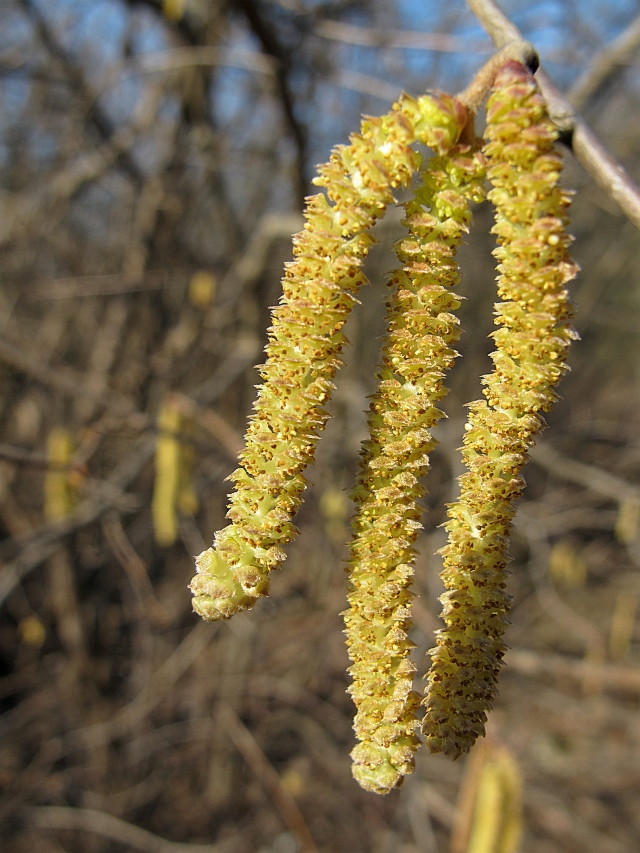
431, 42
20, 456
135, 568
62, 379
621, 679
374, 87
605, 64
494, 22
226, 436
478, 89
188, 57
572, 831
250, 265
43, 542
162, 680
370, 37
271, 44
594, 478
588, 151
552, 604
80, 87
99, 285
63, 601
108, 826
261, 766
226, 374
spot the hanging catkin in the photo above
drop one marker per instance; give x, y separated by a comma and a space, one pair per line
531, 346
416, 354
305, 341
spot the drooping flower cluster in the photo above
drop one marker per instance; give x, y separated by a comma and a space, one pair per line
531, 347
305, 341
303, 354
417, 352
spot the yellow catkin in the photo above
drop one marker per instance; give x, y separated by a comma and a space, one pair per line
202, 289
531, 346
496, 825
174, 10
305, 341
60, 496
417, 352
173, 488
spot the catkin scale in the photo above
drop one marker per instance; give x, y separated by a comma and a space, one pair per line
416, 353
531, 345
305, 340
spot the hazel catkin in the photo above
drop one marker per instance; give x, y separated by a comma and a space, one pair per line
305, 341
532, 340
416, 354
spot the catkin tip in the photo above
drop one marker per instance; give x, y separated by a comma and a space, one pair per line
217, 593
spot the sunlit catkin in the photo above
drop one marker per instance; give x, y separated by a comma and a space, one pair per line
531, 345
417, 352
496, 821
60, 494
305, 341
172, 488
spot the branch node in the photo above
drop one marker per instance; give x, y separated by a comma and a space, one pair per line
517, 50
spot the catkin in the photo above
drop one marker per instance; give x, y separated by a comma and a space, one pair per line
417, 352
305, 341
531, 346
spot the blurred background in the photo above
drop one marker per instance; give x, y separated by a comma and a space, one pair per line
154, 157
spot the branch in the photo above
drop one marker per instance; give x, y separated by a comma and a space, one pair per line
400, 39
79, 85
101, 823
45, 541
622, 679
605, 64
267, 36
519, 50
61, 379
590, 476
246, 744
587, 149
104, 284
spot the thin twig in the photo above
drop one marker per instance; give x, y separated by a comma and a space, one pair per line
62, 379
100, 285
622, 679
108, 826
246, 744
162, 680
178, 58
587, 149
594, 478
432, 42
20, 456
43, 542
571, 621
475, 93
250, 265
606, 63
378, 38
374, 87
268, 36
135, 569
46, 540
